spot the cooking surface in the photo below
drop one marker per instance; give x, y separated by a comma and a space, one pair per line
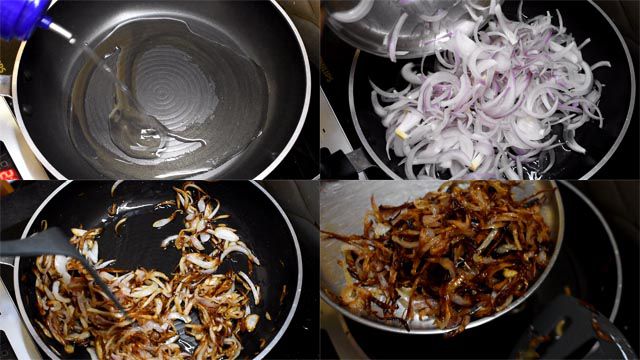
300, 163
16, 209
586, 265
338, 55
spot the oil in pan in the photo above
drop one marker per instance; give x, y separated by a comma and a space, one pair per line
197, 87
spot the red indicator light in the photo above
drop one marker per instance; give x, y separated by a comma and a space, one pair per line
9, 174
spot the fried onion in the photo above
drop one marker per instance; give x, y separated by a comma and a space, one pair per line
75, 312
455, 255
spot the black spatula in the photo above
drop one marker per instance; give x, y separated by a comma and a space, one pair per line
54, 241
569, 328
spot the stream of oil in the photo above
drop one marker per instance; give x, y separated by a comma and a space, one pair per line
178, 103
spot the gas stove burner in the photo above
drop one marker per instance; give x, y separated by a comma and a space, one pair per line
588, 267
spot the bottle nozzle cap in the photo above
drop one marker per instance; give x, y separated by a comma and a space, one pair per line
45, 22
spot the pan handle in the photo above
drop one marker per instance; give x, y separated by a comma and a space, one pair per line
5, 85
343, 166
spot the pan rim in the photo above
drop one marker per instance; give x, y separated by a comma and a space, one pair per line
44, 347
612, 240
586, 176
267, 170
478, 322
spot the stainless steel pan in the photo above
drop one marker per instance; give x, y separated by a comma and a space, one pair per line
343, 204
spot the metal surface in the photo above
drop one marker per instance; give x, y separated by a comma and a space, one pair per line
582, 19
41, 83
332, 134
415, 37
342, 205
253, 212
358, 158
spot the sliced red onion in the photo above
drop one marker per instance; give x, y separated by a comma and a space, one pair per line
569, 137
409, 75
356, 14
393, 42
530, 128
379, 110
456, 155
390, 117
584, 43
506, 91
439, 15
552, 160
387, 94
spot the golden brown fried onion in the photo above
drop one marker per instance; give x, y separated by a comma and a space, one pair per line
455, 255
75, 312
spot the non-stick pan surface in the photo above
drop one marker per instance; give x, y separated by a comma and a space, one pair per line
581, 18
47, 66
258, 219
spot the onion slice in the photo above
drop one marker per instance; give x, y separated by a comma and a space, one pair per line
254, 290
356, 14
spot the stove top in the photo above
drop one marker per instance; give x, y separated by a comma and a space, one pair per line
596, 264
300, 163
336, 65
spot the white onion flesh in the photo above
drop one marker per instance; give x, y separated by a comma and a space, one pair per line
162, 222
60, 264
251, 321
356, 14
105, 264
393, 42
168, 240
241, 249
193, 258
225, 234
254, 289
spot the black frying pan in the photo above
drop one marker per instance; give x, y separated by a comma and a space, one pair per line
257, 217
584, 20
46, 67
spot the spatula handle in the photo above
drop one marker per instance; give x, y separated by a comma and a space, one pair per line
54, 241
51, 241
